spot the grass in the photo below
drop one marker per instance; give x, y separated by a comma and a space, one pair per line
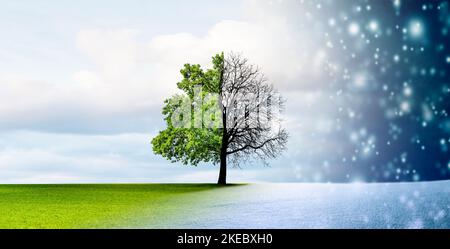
96, 206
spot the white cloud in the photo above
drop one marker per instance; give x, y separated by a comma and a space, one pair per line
32, 157
114, 52
120, 87
127, 75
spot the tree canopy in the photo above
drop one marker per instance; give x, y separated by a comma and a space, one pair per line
223, 112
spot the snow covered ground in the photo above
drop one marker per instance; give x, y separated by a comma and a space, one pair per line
394, 205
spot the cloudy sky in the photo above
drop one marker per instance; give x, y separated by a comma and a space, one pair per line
82, 84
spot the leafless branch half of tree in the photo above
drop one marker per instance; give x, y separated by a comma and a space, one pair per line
252, 126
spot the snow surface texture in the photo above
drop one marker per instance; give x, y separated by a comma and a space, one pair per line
394, 205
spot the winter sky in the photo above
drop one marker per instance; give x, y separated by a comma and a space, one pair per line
82, 84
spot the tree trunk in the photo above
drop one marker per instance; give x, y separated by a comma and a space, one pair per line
223, 156
223, 168
223, 151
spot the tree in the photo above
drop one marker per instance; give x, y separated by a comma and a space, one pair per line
225, 114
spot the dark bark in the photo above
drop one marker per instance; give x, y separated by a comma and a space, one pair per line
223, 168
223, 151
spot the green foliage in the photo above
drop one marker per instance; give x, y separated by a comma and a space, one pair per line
191, 144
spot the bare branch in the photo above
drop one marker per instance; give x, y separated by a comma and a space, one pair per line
252, 126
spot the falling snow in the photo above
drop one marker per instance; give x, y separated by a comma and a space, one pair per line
388, 63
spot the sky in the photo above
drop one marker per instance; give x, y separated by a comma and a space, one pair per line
82, 85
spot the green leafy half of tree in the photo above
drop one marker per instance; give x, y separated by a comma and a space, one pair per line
191, 145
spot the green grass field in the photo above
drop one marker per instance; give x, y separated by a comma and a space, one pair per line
96, 206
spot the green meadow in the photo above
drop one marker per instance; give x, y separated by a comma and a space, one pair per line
97, 205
